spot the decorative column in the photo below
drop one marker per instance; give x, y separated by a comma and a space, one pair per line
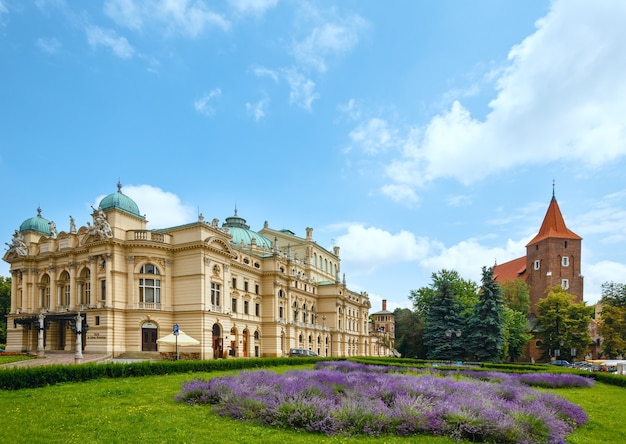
40, 330
78, 357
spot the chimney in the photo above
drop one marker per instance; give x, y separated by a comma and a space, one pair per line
384, 304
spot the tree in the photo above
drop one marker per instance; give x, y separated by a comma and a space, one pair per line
444, 323
516, 331
463, 290
562, 324
613, 319
409, 333
485, 332
516, 295
5, 306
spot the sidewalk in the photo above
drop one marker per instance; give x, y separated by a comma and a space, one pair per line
58, 358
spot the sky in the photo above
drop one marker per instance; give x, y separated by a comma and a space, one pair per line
415, 135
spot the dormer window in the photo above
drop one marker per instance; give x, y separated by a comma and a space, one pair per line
537, 264
565, 261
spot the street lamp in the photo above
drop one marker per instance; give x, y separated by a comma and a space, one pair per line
450, 334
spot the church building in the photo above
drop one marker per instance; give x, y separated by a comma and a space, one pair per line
115, 287
553, 257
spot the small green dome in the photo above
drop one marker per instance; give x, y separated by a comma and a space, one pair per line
242, 233
37, 223
120, 201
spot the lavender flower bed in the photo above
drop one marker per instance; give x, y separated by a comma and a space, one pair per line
351, 399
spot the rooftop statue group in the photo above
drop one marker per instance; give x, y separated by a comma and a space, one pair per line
100, 228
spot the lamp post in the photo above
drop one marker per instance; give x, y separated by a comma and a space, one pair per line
450, 334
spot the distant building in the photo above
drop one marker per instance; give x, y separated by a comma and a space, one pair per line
115, 287
553, 257
384, 328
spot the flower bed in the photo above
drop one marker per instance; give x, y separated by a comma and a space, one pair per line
350, 399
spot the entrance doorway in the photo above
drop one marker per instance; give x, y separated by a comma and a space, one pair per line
218, 346
149, 334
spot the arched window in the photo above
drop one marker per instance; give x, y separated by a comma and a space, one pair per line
45, 291
65, 290
149, 288
149, 269
85, 287
256, 335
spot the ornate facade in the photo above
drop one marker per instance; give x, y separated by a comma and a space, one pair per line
115, 287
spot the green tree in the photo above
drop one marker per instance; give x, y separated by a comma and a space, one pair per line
464, 291
516, 331
613, 319
563, 325
409, 333
5, 306
485, 332
516, 295
444, 322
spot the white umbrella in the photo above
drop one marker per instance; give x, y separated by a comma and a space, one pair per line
181, 339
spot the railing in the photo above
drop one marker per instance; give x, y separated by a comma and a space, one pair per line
145, 235
149, 306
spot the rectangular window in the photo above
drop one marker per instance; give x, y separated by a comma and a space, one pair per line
565, 244
234, 284
280, 313
233, 305
97, 320
103, 289
536, 265
257, 310
87, 287
245, 285
246, 306
256, 289
565, 261
215, 294
565, 284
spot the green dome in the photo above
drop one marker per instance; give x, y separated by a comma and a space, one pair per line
121, 202
242, 233
37, 223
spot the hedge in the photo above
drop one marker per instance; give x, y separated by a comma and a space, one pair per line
39, 376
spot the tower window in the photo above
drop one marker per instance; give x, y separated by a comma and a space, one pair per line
537, 265
565, 261
565, 284
565, 244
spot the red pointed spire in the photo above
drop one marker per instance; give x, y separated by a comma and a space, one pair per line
553, 225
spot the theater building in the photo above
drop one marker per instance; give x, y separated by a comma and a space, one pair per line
116, 287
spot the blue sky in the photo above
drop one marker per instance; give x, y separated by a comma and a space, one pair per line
414, 135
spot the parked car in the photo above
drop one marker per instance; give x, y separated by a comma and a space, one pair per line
301, 353
559, 362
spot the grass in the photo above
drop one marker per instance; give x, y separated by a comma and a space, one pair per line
141, 410
9, 358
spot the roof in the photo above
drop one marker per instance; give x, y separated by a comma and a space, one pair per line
510, 270
242, 233
553, 225
37, 223
120, 201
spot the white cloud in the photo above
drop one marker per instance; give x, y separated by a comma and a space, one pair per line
374, 136
108, 38
351, 109
400, 193
302, 89
203, 104
190, 18
363, 249
334, 37
161, 208
48, 45
254, 7
257, 110
599, 273
560, 99
265, 72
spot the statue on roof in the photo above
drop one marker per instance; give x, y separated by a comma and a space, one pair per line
17, 245
53, 229
101, 227
72, 225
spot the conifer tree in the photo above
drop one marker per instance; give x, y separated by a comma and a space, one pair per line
443, 334
485, 332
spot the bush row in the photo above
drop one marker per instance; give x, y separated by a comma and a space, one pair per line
39, 376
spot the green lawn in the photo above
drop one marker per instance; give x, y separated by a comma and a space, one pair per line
137, 410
